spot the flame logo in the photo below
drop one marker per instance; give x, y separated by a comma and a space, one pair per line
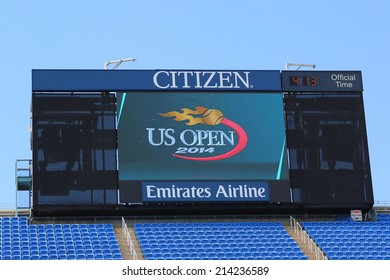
202, 115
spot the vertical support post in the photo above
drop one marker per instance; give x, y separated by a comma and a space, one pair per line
16, 188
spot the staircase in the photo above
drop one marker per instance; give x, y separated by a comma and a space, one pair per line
308, 247
304, 247
125, 247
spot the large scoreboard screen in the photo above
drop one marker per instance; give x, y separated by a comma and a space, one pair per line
214, 142
193, 141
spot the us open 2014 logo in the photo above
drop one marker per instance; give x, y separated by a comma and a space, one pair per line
200, 144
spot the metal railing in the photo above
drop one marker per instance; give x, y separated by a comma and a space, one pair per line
382, 206
126, 233
306, 239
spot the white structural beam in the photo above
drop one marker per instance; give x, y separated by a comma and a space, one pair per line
299, 65
117, 62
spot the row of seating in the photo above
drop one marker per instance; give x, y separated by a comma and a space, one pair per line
219, 243
353, 257
351, 242
352, 234
362, 226
214, 225
46, 227
13, 220
224, 256
200, 235
59, 256
383, 218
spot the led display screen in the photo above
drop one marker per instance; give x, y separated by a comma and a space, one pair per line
220, 137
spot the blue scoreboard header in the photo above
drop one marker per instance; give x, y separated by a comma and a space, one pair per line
156, 80
196, 80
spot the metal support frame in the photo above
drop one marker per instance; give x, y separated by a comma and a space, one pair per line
117, 62
299, 65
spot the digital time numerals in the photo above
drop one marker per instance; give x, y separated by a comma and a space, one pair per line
303, 81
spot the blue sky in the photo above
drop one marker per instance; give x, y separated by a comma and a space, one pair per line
174, 34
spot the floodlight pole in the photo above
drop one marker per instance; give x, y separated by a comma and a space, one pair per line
117, 62
299, 65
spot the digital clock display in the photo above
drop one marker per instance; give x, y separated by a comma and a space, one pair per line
321, 81
303, 81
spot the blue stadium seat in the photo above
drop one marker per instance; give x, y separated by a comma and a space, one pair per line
361, 240
216, 240
20, 240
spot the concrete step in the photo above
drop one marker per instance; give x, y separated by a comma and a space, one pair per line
305, 249
125, 249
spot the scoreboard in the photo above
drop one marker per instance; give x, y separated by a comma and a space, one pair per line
196, 140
